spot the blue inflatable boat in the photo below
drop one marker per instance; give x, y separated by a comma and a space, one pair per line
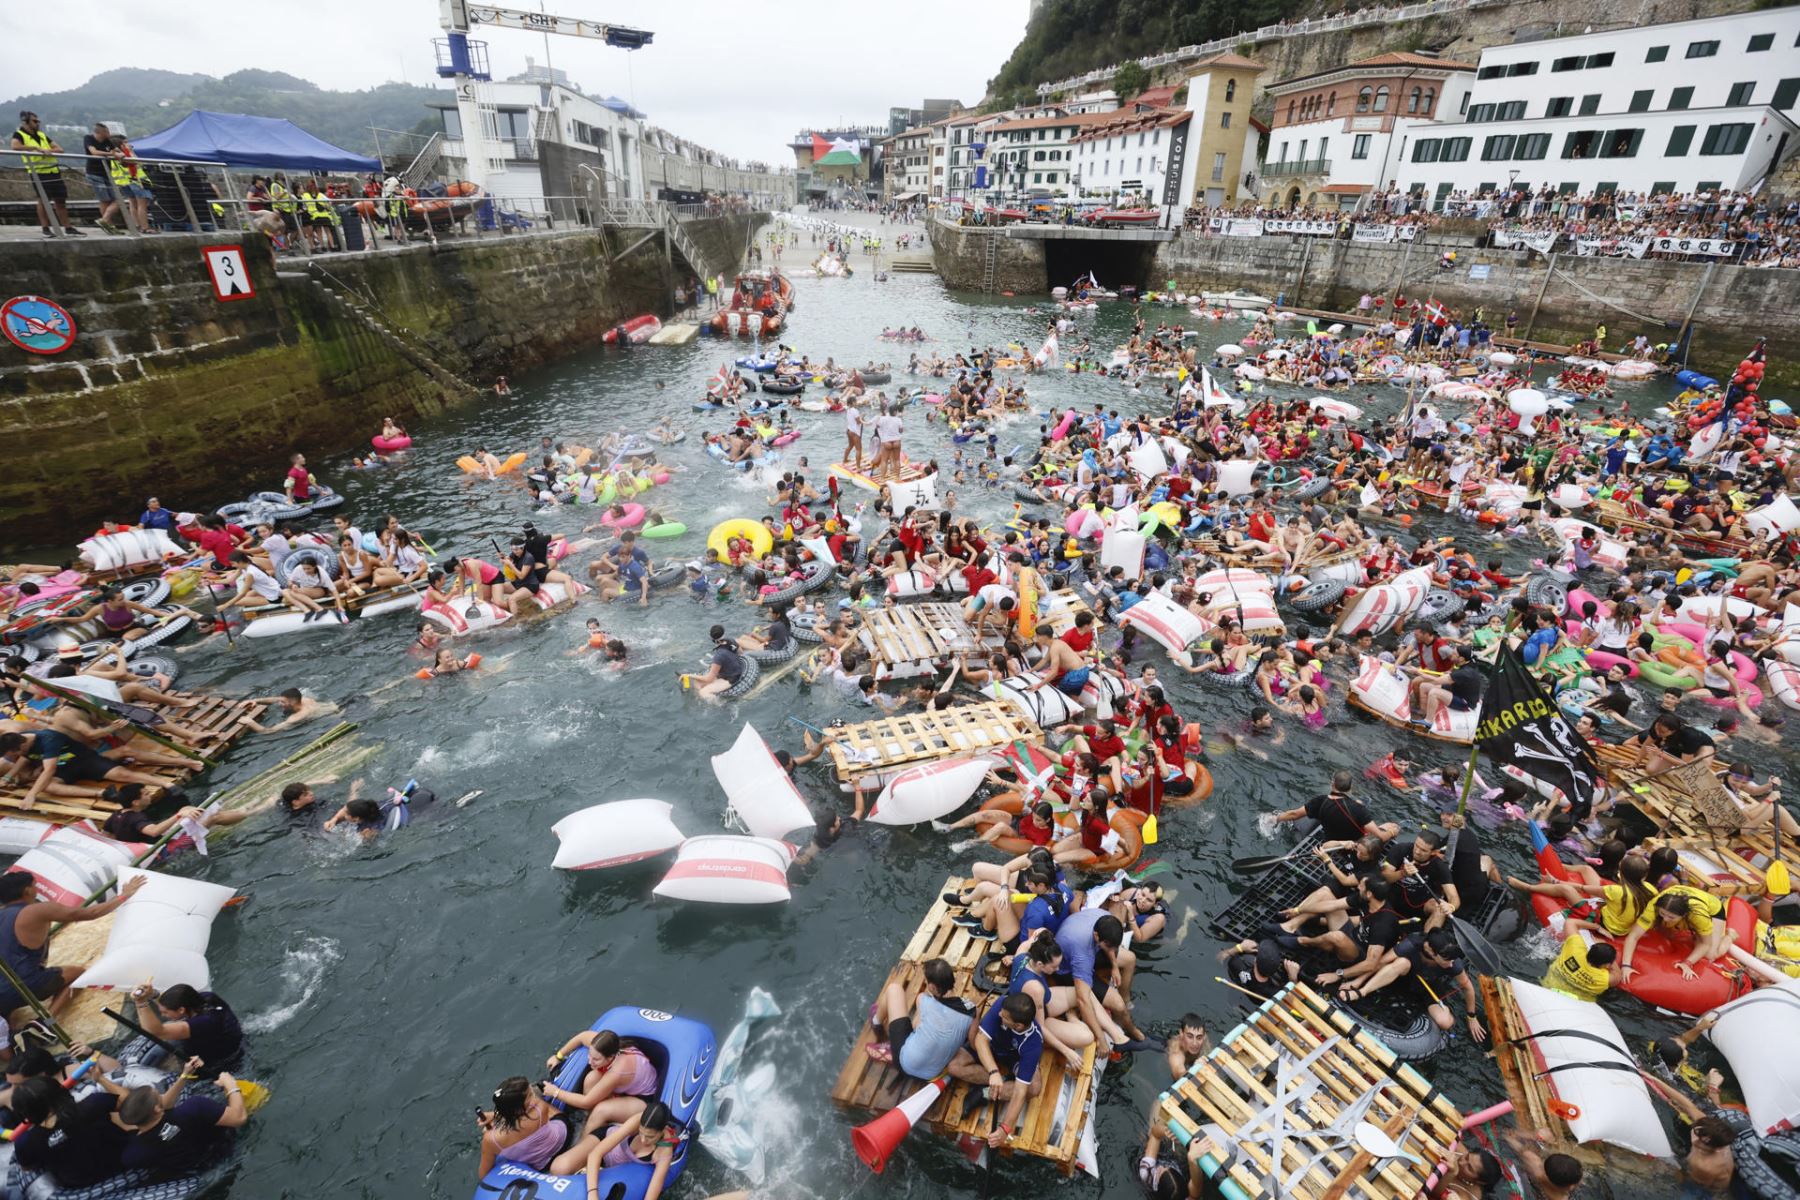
1695, 379
684, 1052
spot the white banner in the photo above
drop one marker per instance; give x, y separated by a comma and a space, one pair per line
1611, 247
1707, 247
1512, 239
1243, 227
1310, 228
1374, 233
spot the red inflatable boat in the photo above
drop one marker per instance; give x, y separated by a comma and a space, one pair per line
1656, 980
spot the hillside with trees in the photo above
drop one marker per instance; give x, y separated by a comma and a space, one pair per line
145, 101
1068, 37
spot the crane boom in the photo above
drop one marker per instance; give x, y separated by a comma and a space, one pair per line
621, 36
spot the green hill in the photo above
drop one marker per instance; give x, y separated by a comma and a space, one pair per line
149, 100
1069, 37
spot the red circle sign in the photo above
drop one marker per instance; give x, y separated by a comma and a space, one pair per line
38, 325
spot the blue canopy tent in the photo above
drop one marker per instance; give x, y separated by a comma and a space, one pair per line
249, 143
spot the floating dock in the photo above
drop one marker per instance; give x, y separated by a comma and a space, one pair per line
1053, 1123
871, 751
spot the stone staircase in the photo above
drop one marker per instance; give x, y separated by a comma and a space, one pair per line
348, 301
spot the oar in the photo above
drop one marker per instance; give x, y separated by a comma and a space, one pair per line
1775, 878
255, 1094
87, 704
1246, 866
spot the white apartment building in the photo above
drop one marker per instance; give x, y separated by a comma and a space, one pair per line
1336, 135
1126, 153
1687, 106
1035, 154
907, 172
553, 140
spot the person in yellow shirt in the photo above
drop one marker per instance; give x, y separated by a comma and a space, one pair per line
1583, 971
1682, 909
1609, 908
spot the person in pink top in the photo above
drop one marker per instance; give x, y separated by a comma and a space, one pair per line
619, 1078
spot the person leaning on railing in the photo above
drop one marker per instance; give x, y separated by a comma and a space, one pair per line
39, 151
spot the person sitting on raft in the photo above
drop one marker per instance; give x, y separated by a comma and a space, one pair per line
617, 1072
200, 1023
1001, 1061
923, 1039
630, 570
1682, 909
723, 673
1433, 960
775, 637
647, 1139
119, 617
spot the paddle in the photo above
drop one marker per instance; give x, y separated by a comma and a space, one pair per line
1247, 866
1775, 879
1375, 1141
255, 1094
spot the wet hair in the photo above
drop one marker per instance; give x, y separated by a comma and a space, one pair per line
1669, 1051
1673, 904
15, 885
42, 1097
510, 1099
32, 1062
656, 1117
1562, 1170
1109, 932
1601, 954
364, 810
1020, 1007
182, 996
291, 793
1043, 949
1711, 1131
939, 975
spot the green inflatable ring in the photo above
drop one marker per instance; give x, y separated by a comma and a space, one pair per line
1664, 676
667, 529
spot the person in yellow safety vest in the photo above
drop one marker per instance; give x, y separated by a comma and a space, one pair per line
712, 290
46, 175
393, 201
316, 214
128, 185
282, 200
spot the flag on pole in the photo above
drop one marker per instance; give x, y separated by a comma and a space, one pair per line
719, 381
1521, 727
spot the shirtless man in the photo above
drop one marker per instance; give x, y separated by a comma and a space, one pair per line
296, 707
1188, 1046
1059, 664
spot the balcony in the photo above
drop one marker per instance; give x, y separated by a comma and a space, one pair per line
1309, 166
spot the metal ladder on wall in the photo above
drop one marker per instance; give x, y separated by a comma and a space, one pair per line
679, 238
424, 163
990, 260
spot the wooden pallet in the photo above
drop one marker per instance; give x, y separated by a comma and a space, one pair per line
1065, 606
881, 747
1281, 1095
1722, 855
353, 604
914, 633
909, 471
214, 714
865, 1084
1515, 1055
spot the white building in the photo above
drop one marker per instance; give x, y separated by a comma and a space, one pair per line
1035, 154
1683, 107
908, 164
1126, 153
554, 141
1336, 135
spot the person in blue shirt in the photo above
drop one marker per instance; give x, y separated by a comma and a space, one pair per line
1542, 641
1615, 457
923, 1040
156, 516
1001, 1062
1094, 961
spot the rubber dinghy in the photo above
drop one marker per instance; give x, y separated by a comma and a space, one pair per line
684, 1053
1657, 980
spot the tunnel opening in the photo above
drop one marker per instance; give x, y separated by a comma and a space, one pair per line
1114, 263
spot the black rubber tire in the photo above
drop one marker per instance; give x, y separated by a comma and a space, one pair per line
148, 592
780, 388
1318, 595
805, 632
877, 378
752, 672
768, 658
1318, 485
249, 511
277, 507
1545, 592
146, 665
1026, 495
326, 500
1235, 681
814, 575
158, 635
1440, 604
325, 560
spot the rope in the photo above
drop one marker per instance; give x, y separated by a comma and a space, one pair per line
1595, 296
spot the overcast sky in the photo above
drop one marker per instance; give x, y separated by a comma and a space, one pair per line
740, 76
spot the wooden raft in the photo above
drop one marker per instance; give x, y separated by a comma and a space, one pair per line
909, 471
1065, 606
1519, 1063
1718, 851
1052, 1123
915, 633
213, 715
880, 747
1278, 1100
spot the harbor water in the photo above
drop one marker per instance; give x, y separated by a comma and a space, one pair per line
389, 988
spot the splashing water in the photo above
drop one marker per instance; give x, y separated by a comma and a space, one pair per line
303, 970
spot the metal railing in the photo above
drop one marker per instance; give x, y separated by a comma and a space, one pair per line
1301, 166
160, 193
1356, 20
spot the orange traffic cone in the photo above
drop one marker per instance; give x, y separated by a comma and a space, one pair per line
877, 1139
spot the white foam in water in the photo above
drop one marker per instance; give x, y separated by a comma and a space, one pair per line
303, 970
1266, 824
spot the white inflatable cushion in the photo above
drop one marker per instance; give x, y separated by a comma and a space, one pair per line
160, 935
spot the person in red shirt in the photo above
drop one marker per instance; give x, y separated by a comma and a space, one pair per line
1079, 637
300, 481
1102, 741
1262, 524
